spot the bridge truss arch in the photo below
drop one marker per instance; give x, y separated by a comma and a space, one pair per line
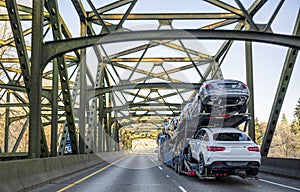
77, 76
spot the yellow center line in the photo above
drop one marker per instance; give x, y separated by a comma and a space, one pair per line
86, 177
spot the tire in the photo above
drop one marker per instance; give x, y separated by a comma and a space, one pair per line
243, 108
189, 155
252, 172
158, 155
176, 167
180, 167
207, 109
202, 107
176, 161
201, 165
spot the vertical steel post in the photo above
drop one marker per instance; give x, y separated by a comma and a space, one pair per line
60, 61
249, 71
82, 116
6, 134
100, 124
36, 80
95, 139
110, 139
54, 117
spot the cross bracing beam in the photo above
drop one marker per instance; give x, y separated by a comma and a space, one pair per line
225, 6
68, 45
158, 59
168, 16
143, 107
166, 43
108, 17
101, 91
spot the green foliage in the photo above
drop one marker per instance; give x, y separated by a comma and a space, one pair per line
295, 126
285, 142
260, 128
284, 119
297, 111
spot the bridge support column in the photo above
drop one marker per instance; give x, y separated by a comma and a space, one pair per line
249, 71
109, 125
7, 123
82, 110
36, 80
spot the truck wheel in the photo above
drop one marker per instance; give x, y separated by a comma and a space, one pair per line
180, 167
189, 154
202, 109
175, 165
201, 165
252, 171
243, 108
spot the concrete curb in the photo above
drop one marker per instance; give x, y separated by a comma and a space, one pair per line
26, 174
282, 167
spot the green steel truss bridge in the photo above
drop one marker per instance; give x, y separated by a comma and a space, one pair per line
85, 70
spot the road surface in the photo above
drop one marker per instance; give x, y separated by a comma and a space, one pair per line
144, 173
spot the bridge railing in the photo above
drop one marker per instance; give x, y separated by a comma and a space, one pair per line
281, 166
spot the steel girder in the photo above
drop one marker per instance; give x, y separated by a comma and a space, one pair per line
285, 77
59, 66
55, 40
77, 43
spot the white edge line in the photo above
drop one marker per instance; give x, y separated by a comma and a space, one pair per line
281, 185
182, 189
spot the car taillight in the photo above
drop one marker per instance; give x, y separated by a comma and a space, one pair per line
208, 86
215, 148
245, 86
255, 149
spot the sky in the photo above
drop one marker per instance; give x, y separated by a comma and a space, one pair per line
268, 59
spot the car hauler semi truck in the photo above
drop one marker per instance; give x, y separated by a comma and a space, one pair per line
210, 146
206, 139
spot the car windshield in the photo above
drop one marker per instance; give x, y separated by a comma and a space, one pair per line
231, 137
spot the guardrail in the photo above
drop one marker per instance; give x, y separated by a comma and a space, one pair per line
23, 175
282, 167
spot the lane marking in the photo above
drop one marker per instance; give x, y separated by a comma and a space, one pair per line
160, 168
182, 189
167, 176
90, 175
281, 185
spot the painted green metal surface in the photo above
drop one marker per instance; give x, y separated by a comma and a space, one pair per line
113, 91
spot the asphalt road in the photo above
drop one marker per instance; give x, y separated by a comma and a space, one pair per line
144, 173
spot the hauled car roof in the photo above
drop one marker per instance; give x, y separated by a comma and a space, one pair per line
224, 129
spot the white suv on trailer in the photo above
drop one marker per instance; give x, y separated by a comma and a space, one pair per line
223, 151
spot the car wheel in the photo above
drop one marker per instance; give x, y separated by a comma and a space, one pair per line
201, 107
176, 167
180, 167
243, 108
207, 109
252, 171
190, 156
201, 165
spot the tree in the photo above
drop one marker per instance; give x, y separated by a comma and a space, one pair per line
297, 111
295, 127
284, 142
260, 128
